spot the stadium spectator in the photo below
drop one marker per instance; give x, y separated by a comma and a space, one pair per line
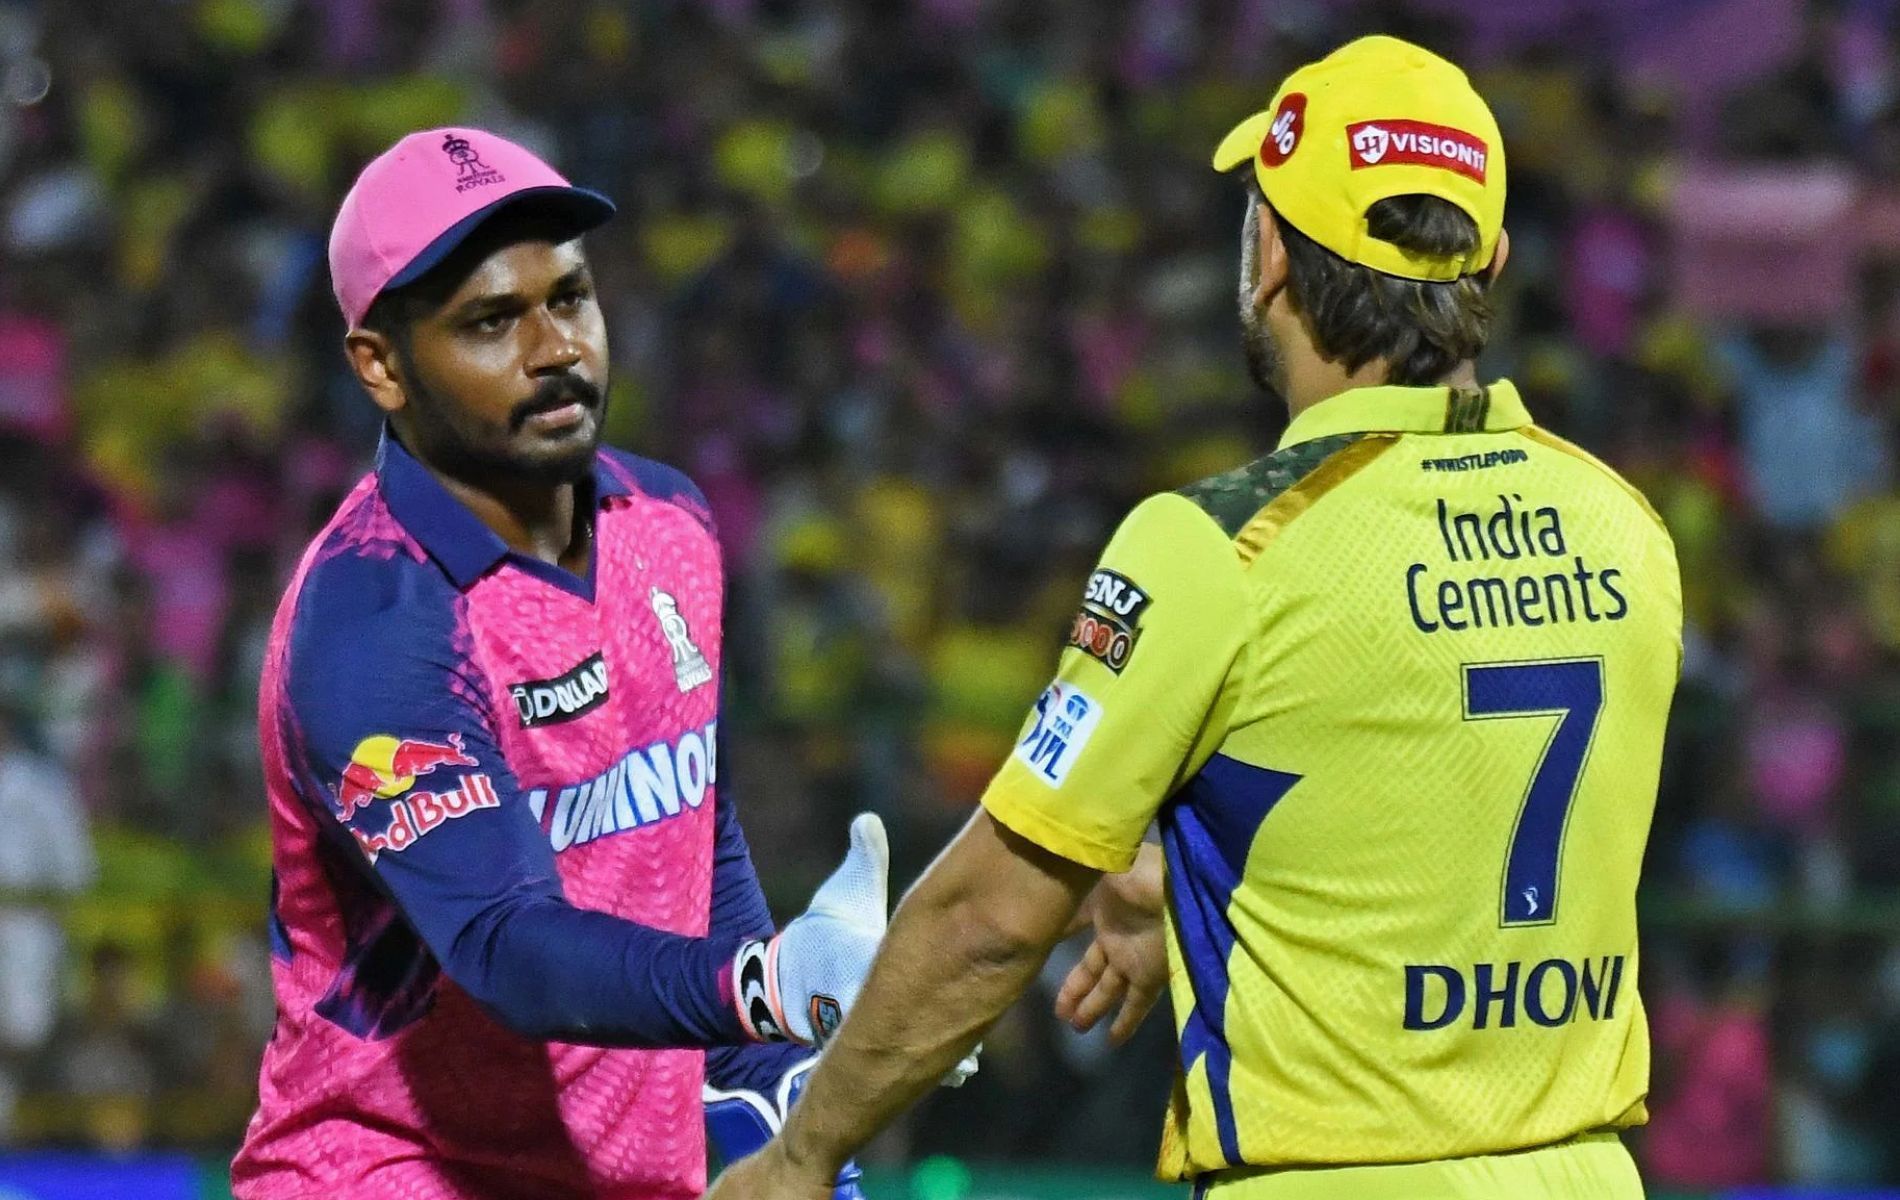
46, 854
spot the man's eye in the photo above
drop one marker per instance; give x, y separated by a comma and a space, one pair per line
573, 298
493, 323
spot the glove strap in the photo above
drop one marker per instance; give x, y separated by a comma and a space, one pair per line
756, 994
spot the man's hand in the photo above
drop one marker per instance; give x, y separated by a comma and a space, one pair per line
967, 940
769, 1175
1127, 963
799, 985
740, 1122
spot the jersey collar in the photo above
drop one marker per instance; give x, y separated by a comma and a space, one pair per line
1411, 410
452, 535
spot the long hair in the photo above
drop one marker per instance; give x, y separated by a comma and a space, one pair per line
1423, 329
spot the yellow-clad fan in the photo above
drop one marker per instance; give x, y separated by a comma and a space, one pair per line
1394, 696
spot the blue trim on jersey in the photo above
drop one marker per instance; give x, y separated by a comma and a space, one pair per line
660, 482
1207, 831
454, 536
581, 585
279, 933
385, 983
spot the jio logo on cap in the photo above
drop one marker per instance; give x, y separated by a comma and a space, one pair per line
1283, 137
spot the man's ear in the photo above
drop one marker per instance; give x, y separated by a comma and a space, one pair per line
378, 368
1496, 268
1270, 255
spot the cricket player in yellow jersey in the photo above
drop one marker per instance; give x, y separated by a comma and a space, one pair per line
1394, 696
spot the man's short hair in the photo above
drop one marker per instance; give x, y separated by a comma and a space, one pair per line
1357, 314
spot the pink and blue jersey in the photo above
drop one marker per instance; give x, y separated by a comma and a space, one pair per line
508, 887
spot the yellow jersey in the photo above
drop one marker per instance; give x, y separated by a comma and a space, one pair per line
1395, 695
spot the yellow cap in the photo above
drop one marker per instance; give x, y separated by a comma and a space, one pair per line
1376, 118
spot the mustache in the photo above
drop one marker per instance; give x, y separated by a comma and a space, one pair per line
556, 391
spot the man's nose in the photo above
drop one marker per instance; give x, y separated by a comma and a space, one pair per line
555, 347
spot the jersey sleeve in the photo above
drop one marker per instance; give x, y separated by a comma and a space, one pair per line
390, 743
1140, 694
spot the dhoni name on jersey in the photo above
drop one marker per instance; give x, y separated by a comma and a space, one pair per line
1394, 696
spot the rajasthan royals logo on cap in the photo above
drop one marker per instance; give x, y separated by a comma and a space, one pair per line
471, 171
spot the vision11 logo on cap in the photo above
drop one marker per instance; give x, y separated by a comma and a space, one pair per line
1283, 136
470, 170
1418, 143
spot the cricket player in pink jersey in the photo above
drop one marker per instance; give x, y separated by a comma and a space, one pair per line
519, 947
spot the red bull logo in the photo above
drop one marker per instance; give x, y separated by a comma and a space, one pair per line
383, 767
417, 814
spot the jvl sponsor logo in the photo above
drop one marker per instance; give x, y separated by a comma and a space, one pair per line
646, 786
383, 766
414, 816
1550, 993
690, 668
1064, 720
551, 701
1418, 143
1105, 629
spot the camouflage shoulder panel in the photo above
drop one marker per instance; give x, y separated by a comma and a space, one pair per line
1233, 497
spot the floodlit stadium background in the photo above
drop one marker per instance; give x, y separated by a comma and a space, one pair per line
925, 296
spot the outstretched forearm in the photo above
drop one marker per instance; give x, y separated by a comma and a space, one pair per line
962, 947
550, 971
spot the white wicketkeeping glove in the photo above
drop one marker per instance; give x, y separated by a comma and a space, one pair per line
799, 985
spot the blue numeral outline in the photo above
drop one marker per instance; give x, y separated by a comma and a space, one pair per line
1572, 690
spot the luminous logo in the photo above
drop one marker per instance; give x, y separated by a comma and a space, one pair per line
647, 786
551, 701
1417, 143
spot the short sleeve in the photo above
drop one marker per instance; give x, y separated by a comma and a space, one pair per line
1136, 705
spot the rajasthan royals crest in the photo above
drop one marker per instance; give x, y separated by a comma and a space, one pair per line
690, 668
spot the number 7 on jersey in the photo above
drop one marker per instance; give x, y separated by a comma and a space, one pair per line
1572, 691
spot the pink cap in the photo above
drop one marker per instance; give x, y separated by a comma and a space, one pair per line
418, 200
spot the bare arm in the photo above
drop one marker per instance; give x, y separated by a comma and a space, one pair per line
962, 947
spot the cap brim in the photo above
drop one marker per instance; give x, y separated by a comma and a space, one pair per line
575, 210
1242, 143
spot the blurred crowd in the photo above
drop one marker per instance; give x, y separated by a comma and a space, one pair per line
925, 296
